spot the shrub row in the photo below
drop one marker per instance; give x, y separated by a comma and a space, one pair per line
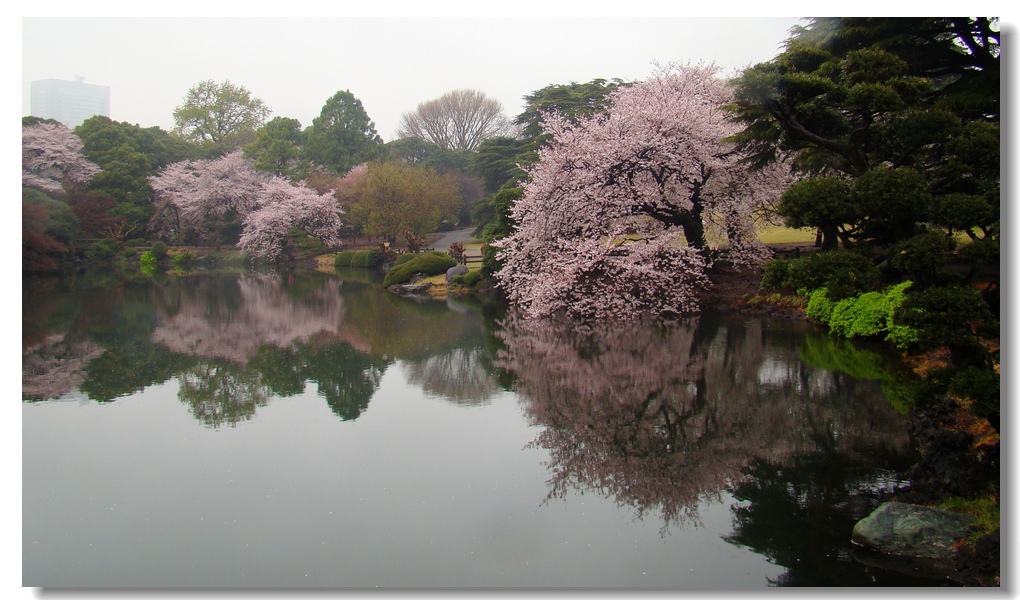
869, 315
359, 259
430, 263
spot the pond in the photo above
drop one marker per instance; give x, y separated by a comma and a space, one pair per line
302, 429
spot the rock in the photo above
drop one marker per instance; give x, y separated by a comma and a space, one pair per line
454, 271
911, 530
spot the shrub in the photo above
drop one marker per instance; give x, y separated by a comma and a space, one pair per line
843, 272
982, 386
471, 278
819, 305
775, 274
343, 259
429, 263
358, 259
867, 315
158, 250
147, 262
103, 252
366, 259
403, 258
922, 258
946, 316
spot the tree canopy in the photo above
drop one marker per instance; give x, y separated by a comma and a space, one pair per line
613, 219
213, 200
219, 115
460, 119
400, 200
343, 135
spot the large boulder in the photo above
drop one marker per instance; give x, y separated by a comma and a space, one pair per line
454, 271
911, 530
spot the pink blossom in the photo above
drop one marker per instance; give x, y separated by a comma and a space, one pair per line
617, 215
52, 159
200, 193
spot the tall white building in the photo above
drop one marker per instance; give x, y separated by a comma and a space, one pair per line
70, 102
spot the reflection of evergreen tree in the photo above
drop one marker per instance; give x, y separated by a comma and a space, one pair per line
279, 369
130, 367
799, 514
346, 378
220, 392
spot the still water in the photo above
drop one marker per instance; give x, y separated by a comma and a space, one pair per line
306, 429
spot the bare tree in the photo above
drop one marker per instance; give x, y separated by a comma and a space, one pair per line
460, 119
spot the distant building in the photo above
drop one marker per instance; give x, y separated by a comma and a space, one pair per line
70, 102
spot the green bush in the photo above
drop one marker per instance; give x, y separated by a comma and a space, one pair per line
471, 278
867, 315
358, 259
158, 250
922, 258
775, 274
103, 252
343, 259
403, 258
147, 262
843, 272
982, 386
429, 263
819, 306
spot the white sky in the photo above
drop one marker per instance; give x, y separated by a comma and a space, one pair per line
391, 64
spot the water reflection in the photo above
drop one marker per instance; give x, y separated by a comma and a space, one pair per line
233, 343
661, 417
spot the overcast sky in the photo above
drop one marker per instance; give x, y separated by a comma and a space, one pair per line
391, 64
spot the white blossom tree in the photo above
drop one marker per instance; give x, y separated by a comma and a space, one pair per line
52, 160
200, 197
616, 216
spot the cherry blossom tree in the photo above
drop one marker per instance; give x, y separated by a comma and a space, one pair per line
618, 212
52, 160
203, 198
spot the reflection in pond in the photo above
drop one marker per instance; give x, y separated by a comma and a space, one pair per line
661, 417
240, 317
769, 437
459, 375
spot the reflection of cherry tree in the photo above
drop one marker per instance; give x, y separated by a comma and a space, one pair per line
459, 375
262, 314
660, 417
55, 366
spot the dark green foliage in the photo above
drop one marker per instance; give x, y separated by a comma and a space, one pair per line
104, 252
981, 385
821, 202
843, 272
405, 257
471, 278
892, 202
342, 136
954, 317
159, 250
302, 246
359, 259
572, 101
278, 148
428, 263
922, 258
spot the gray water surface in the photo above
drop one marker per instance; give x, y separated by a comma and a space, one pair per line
310, 430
